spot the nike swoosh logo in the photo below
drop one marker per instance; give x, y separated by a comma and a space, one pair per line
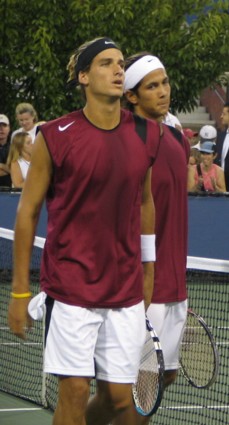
108, 42
60, 128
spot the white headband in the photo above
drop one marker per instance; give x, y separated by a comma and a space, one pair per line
140, 69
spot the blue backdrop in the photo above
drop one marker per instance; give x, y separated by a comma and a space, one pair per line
208, 226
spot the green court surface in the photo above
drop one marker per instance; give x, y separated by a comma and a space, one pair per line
21, 366
15, 411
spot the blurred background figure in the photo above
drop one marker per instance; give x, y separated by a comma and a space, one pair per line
19, 158
172, 120
222, 145
208, 132
5, 178
191, 135
27, 120
194, 157
207, 176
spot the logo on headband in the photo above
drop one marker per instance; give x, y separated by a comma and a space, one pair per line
93, 49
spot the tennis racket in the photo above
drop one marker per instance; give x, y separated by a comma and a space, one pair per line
148, 388
199, 357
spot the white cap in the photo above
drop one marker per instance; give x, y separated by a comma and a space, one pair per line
208, 132
139, 69
4, 119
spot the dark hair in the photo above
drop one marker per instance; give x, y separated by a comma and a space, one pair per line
128, 62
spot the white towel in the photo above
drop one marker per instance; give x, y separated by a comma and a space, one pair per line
36, 307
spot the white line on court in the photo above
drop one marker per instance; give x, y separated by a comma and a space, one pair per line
21, 343
192, 407
21, 409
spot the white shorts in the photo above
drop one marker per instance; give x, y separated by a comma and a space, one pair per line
169, 321
101, 343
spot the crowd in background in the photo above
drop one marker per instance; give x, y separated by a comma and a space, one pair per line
209, 154
206, 176
16, 146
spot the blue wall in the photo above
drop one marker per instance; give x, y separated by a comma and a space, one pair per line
8, 208
208, 223
209, 227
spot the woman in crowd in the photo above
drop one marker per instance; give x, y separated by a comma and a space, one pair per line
207, 176
27, 119
19, 158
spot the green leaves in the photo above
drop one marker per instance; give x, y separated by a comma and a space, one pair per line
37, 38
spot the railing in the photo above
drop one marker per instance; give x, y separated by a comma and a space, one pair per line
216, 91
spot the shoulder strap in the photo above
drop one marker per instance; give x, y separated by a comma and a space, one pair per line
140, 127
199, 171
177, 134
198, 167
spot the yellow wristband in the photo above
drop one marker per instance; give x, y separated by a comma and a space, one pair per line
25, 295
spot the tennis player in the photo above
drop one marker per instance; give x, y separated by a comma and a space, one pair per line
93, 168
147, 92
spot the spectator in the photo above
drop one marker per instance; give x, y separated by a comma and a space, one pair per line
27, 119
191, 135
207, 176
207, 132
5, 178
19, 157
222, 145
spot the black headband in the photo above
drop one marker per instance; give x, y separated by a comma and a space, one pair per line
86, 57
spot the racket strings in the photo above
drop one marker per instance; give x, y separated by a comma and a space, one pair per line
147, 386
197, 354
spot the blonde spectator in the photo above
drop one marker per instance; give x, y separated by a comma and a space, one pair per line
27, 119
19, 158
